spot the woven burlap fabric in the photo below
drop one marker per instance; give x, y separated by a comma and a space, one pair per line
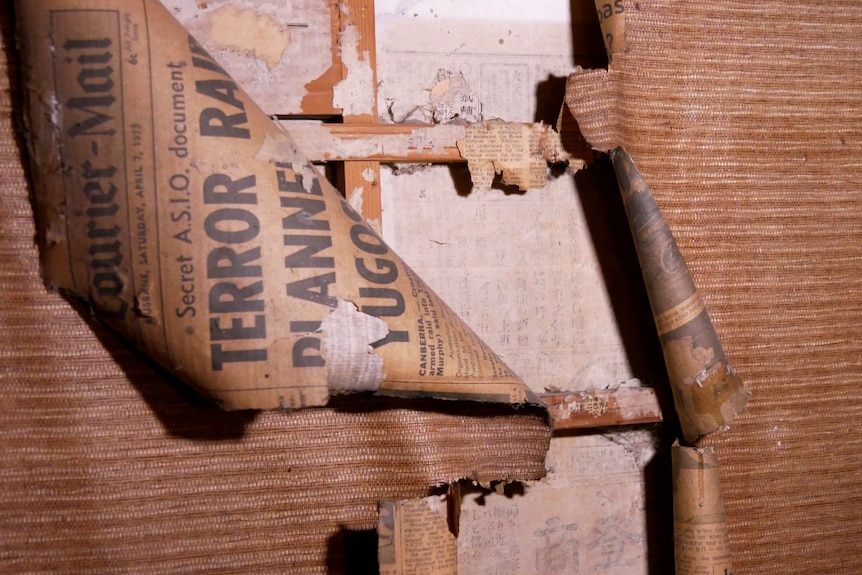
746, 120
107, 466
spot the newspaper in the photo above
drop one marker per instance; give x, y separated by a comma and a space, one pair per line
544, 276
701, 542
191, 224
522, 271
588, 516
415, 537
538, 275
519, 152
612, 17
708, 392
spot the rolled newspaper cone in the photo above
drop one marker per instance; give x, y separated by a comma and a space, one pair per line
707, 392
192, 226
701, 543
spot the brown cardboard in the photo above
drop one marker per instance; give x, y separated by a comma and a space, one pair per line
191, 224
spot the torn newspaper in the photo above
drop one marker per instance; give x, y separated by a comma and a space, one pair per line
701, 543
193, 227
414, 537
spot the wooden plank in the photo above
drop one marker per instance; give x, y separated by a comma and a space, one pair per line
359, 15
603, 407
362, 177
318, 97
422, 143
362, 180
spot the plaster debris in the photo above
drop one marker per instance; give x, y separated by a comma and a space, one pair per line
251, 32
452, 100
355, 199
369, 176
437, 504
355, 93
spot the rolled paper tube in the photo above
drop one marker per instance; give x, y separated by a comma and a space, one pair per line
701, 543
707, 392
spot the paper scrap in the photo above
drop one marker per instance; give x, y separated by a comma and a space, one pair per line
347, 337
415, 538
520, 152
452, 100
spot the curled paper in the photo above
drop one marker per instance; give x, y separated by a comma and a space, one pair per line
701, 544
707, 391
194, 228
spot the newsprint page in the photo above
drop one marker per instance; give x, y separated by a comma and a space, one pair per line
543, 276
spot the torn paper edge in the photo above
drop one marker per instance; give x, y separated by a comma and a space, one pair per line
346, 348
